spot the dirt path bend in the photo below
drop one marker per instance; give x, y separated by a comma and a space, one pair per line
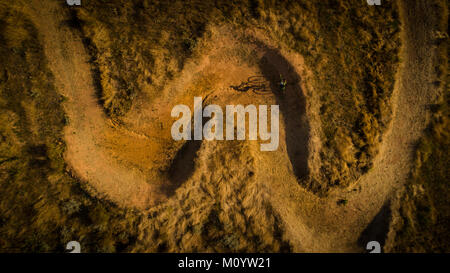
88, 135
366, 217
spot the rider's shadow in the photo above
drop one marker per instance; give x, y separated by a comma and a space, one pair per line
241, 88
257, 84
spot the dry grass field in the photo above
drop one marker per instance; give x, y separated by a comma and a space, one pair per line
86, 152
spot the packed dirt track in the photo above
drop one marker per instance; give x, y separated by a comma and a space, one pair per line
135, 163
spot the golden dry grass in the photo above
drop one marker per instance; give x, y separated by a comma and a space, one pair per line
42, 206
194, 196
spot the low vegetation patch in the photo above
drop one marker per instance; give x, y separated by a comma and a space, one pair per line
42, 207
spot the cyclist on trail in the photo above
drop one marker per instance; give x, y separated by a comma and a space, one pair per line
283, 84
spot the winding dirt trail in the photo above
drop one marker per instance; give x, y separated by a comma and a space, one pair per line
368, 214
88, 134
100, 152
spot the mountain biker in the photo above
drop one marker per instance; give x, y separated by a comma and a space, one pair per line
283, 84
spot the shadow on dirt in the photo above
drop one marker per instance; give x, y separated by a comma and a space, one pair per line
292, 107
258, 84
182, 166
378, 229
